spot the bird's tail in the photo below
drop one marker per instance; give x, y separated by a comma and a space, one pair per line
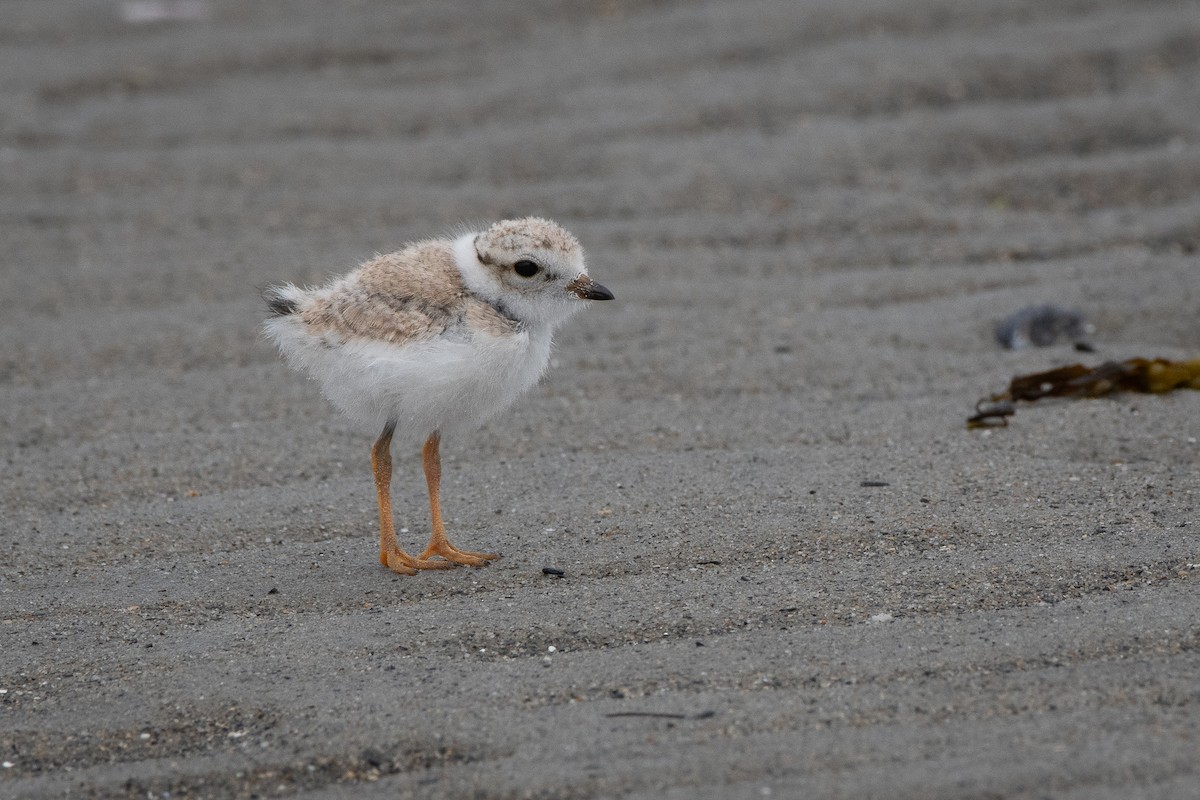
282, 299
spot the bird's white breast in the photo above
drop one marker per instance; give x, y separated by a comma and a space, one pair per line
451, 383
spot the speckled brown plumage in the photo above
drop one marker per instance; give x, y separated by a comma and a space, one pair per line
407, 296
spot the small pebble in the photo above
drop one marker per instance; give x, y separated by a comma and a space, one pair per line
1041, 326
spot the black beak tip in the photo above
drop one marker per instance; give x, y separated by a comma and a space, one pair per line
598, 292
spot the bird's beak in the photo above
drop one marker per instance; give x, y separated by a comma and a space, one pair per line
587, 289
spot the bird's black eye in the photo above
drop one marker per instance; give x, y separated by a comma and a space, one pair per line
526, 268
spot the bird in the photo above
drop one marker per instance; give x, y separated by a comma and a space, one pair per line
432, 341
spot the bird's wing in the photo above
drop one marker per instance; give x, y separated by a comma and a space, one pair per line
357, 312
405, 297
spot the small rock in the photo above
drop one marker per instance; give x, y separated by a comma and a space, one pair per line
1041, 326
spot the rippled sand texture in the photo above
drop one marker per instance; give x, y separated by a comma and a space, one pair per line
788, 566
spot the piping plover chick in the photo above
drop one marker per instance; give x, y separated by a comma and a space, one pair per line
432, 341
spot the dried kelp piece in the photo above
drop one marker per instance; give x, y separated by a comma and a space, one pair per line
1144, 375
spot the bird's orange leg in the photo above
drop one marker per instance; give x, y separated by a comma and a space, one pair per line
439, 545
390, 554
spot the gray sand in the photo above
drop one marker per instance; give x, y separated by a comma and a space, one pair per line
788, 567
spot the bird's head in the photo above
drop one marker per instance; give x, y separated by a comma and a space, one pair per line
535, 269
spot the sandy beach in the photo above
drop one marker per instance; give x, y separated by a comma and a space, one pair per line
788, 568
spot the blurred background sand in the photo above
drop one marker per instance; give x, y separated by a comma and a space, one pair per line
778, 539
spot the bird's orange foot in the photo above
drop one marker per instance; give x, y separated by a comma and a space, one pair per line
455, 556
402, 563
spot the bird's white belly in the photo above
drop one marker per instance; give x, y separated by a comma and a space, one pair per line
445, 384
